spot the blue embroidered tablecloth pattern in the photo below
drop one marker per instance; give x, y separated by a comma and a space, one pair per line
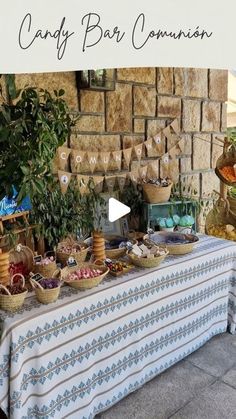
80, 355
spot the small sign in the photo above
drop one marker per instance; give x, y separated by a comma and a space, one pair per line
37, 258
71, 262
37, 277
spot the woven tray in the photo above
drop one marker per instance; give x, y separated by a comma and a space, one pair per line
13, 302
145, 262
83, 284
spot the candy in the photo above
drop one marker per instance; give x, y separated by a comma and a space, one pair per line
84, 273
46, 261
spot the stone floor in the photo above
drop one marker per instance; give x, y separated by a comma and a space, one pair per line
203, 386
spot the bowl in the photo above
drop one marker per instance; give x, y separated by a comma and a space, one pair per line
176, 243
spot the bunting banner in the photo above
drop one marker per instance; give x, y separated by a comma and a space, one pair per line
82, 181
139, 151
181, 145
121, 180
63, 155
159, 144
134, 177
117, 157
105, 159
166, 131
64, 179
143, 172
149, 144
92, 159
77, 158
127, 155
175, 126
165, 165
110, 182
98, 183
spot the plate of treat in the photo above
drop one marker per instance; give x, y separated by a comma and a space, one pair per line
118, 267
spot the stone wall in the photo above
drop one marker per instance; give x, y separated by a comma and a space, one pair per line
146, 100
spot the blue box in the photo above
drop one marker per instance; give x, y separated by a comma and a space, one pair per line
9, 206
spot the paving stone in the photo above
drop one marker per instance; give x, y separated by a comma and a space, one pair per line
125, 409
217, 356
166, 393
230, 377
217, 401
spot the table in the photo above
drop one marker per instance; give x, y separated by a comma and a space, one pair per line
80, 355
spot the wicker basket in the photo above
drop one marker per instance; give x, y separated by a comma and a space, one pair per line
46, 271
4, 268
155, 194
177, 249
219, 215
12, 302
79, 257
83, 284
228, 158
146, 262
22, 254
45, 296
119, 252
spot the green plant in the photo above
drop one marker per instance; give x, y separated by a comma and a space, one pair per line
31, 130
133, 198
58, 216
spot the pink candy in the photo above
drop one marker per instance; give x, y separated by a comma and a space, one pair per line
84, 273
46, 261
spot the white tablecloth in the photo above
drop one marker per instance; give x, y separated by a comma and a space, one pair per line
82, 354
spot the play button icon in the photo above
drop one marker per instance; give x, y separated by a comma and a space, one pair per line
116, 210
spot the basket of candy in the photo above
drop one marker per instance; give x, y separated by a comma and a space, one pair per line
45, 266
47, 290
12, 296
70, 247
115, 246
147, 256
157, 191
85, 276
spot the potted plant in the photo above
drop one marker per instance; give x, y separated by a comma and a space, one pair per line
31, 130
132, 197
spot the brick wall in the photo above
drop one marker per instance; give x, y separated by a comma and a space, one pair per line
146, 100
